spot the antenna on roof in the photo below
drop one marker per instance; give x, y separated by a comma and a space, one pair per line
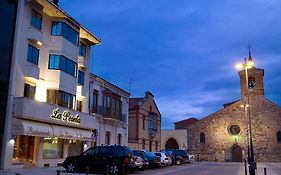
130, 85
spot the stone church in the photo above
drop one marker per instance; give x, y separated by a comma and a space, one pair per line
222, 136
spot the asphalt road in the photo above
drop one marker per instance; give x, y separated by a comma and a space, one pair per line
205, 168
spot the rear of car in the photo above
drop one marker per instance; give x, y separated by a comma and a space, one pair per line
164, 159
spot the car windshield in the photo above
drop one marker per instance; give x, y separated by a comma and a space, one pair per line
149, 154
137, 153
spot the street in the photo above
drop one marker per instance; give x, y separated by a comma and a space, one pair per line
205, 168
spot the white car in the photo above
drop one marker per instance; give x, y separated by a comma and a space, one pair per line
164, 159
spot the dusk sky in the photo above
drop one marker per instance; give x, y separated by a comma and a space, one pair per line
183, 51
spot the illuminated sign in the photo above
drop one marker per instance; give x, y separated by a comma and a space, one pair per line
65, 116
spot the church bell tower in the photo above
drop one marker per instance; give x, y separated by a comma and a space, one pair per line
255, 81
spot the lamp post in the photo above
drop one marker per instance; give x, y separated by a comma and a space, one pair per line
251, 160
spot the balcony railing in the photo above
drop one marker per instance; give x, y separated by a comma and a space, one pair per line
152, 132
109, 113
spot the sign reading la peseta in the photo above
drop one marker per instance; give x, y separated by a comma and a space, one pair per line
65, 116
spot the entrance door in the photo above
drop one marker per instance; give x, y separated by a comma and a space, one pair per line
236, 153
171, 144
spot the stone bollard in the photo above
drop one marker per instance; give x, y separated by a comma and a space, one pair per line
107, 170
58, 172
265, 173
87, 170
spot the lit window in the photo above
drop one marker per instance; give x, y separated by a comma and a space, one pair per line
36, 19
32, 54
60, 98
29, 91
52, 148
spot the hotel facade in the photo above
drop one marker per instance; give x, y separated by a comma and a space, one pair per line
53, 107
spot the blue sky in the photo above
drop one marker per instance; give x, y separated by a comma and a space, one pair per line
183, 51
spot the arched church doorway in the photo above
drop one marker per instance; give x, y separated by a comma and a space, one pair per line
236, 153
171, 144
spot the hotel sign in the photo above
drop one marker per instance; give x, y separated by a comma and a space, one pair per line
65, 116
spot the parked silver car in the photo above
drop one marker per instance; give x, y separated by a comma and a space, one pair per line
164, 159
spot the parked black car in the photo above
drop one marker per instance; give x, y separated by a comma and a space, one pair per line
148, 158
97, 159
178, 156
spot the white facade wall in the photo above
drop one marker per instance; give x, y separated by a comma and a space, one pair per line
37, 110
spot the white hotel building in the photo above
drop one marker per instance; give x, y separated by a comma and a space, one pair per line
55, 106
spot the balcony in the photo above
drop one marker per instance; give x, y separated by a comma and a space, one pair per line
152, 132
109, 113
31, 109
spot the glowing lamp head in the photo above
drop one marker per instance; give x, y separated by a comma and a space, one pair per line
239, 66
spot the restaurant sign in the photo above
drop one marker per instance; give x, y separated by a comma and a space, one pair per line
65, 116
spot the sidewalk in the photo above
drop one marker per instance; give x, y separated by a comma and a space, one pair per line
38, 171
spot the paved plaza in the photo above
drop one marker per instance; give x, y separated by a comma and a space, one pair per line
202, 168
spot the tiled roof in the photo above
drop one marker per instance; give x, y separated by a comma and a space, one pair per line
188, 121
135, 102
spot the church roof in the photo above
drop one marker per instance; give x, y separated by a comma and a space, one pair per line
188, 121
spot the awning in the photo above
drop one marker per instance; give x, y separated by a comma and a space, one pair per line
71, 133
32, 128
26, 127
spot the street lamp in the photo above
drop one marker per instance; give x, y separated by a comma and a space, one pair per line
251, 160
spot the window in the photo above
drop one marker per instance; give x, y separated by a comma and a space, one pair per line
29, 91
119, 138
59, 62
107, 138
234, 129
143, 143
152, 122
32, 54
52, 148
82, 50
143, 122
79, 106
279, 136
202, 137
106, 104
95, 101
36, 19
60, 98
81, 77
64, 30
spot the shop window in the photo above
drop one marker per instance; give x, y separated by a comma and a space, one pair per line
202, 137
107, 138
75, 147
279, 136
119, 138
29, 91
52, 148
23, 148
36, 19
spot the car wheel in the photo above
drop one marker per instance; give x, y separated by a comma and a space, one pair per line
114, 169
178, 161
71, 167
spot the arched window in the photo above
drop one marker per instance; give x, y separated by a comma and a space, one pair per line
202, 137
279, 136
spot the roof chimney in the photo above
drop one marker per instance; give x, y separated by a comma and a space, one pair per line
56, 2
